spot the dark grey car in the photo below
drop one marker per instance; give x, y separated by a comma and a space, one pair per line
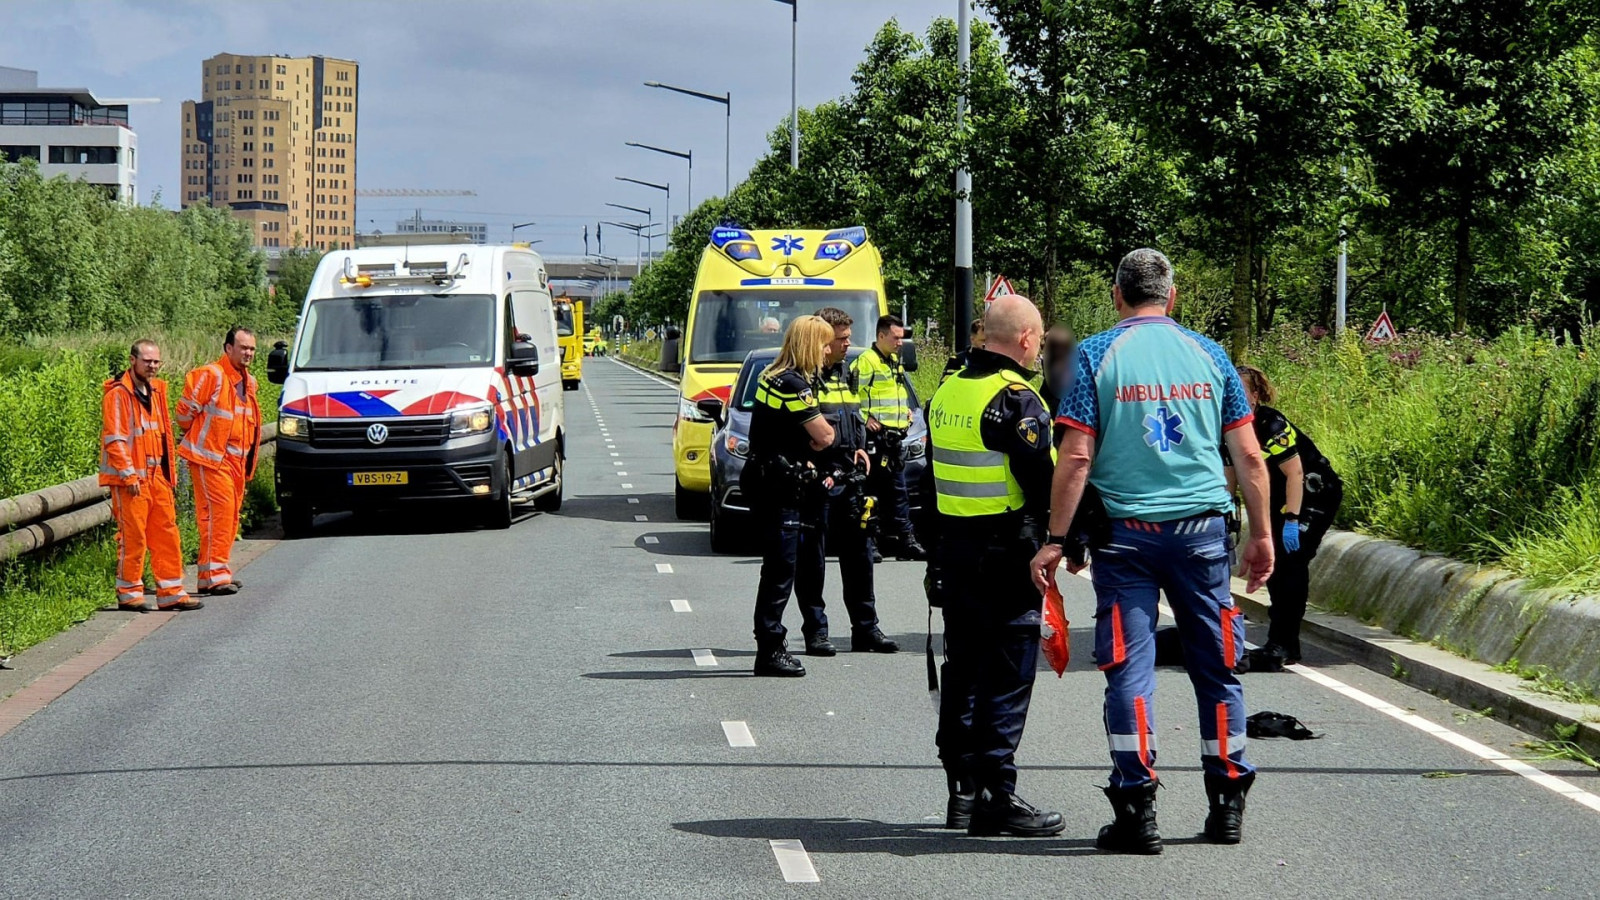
730, 449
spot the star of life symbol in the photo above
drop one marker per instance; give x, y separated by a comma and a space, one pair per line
1163, 429
789, 244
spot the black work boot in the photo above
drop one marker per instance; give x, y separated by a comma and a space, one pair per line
958, 810
777, 662
1134, 830
1226, 822
911, 549
994, 814
819, 645
872, 639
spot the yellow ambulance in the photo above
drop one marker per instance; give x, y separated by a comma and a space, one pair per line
748, 288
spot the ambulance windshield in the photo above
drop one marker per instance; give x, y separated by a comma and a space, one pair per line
729, 324
397, 331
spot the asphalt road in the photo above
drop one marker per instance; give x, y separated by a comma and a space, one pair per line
416, 707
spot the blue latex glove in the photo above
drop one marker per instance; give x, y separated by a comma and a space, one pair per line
1291, 536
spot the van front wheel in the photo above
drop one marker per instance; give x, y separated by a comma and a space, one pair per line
500, 512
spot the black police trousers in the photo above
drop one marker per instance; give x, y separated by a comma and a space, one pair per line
1289, 586
845, 539
991, 649
791, 536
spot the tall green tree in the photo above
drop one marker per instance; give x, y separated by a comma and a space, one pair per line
1506, 101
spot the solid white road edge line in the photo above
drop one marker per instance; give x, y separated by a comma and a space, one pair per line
738, 734
680, 605
794, 862
704, 657
1482, 751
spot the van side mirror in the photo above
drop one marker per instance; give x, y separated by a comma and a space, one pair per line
711, 407
278, 363
524, 357
908, 355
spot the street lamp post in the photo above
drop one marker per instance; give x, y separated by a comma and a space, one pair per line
794, 106
650, 246
660, 187
688, 203
638, 233
963, 316
727, 140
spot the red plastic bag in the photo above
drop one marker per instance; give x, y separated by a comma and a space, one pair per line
1054, 643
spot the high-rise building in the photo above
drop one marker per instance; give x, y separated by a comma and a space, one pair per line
68, 131
273, 138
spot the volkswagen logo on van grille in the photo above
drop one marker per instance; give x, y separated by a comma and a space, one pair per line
377, 433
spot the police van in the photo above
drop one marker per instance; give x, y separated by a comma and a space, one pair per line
421, 373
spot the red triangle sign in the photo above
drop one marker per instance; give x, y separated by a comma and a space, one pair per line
999, 288
1382, 330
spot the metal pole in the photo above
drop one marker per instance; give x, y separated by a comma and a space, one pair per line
688, 201
963, 316
794, 105
727, 146
1339, 296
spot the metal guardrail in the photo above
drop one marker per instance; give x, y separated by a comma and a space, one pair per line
47, 517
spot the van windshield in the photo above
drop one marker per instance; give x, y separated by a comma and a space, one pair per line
398, 331
729, 324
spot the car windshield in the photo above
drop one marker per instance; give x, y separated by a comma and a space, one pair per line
398, 331
729, 324
564, 326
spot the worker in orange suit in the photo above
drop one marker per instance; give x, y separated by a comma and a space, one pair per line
221, 423
137, 462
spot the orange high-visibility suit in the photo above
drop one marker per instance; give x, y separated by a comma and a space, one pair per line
136, 453
221, 423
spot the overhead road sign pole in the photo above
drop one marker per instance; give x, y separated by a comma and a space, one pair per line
727, 140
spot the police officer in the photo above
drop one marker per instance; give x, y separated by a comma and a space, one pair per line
991, 476
846, 530
886, 401
958, 361
785, 485
1145, 425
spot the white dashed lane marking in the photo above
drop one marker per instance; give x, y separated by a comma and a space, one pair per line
794, 862
738, 734
664, 568
633, 499
652, 540
625, 485
680, 605
641, 518
704, 657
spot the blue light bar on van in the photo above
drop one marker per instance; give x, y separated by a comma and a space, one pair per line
856, 236
721, 236
786, 282
738, 250
834, 250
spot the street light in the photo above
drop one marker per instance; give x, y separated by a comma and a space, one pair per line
648, 215
727, 131
660, 187
688, 203
794, 107
638, 233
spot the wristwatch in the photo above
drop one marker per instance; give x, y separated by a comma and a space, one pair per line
1291, 517
1060, 540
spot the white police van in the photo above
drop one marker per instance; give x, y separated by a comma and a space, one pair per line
421, 373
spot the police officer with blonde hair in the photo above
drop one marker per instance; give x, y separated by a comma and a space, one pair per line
991, 468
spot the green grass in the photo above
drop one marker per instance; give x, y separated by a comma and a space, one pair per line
1541, 680
47, 592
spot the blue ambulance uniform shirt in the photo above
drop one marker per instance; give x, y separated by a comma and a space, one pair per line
1157, 399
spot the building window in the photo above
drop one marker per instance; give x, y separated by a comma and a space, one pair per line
14, 152
84, 156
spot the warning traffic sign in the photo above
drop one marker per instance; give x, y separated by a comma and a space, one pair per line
1382, 330
999, 288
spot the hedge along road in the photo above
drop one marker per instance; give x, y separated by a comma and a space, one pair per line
564, 708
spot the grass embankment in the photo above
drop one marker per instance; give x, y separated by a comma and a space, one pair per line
643, 353
50, 394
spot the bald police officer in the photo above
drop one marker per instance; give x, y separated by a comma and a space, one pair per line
991, 470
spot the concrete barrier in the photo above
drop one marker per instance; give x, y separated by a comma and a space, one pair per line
1478, 612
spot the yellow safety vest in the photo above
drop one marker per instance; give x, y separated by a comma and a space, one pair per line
970, 479
883, 391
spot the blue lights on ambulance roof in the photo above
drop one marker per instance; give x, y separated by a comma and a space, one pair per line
739, 250
834, 250
856, 236
721, 236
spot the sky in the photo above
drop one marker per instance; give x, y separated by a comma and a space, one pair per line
528, 103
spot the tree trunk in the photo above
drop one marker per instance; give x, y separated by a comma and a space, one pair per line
1263, 297
1243, 302
1049, 308
1463, 273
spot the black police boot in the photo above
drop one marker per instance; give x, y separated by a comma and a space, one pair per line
872, 551
911, 549
777, 662
994, 814
1225, 824
872, 640
1134, 830
819, 645
958, 810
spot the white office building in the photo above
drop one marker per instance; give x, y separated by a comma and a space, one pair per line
478, 230
70, 132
